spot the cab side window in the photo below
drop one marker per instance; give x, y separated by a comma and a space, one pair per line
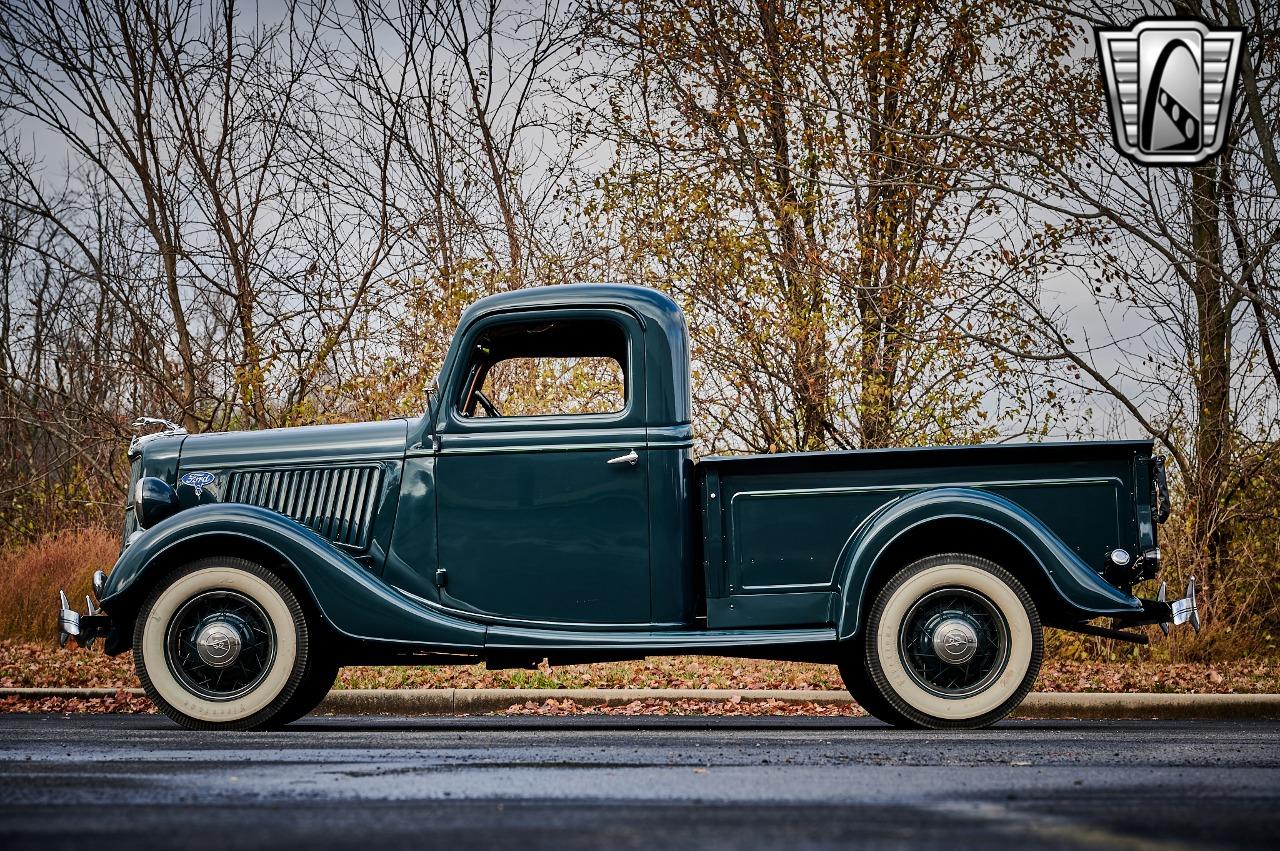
574, 367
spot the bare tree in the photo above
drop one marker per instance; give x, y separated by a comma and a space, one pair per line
813, 183
1183, 264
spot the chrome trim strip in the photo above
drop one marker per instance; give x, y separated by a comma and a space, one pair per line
799, 586
309, 462
1018, 483
1061, 446
486, 450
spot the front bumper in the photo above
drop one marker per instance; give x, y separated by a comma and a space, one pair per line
87, 628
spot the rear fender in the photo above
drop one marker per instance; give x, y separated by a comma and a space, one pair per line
1080, 590
355, 603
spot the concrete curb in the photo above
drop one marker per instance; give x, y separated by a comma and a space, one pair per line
1149, 705
458, 701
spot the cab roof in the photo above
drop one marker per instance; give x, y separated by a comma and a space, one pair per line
666, 336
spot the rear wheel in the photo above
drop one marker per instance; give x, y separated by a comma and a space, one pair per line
222, 643
951, 641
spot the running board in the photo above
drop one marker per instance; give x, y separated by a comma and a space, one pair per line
658, 643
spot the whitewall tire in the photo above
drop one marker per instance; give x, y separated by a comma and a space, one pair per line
222, 643
952, 641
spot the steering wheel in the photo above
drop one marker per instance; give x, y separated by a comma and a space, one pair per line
490, 409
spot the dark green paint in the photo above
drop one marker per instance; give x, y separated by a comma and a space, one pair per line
1077, 584
511, 536
786, 523
161, 461
353, 600
515, 537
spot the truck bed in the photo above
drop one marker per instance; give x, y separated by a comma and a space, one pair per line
774, 526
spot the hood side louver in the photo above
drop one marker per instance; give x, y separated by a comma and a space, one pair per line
335, 502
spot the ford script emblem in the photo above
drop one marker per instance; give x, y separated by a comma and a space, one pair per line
198, 480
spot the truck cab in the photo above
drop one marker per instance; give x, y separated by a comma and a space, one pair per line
554, 508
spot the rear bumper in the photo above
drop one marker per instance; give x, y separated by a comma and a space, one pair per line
1165, 613
1158, 612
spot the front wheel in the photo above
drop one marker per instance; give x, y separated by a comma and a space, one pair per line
222, 643
952, 641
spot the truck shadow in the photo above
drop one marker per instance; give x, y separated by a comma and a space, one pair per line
473, 723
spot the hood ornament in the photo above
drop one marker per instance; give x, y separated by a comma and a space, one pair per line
167, 428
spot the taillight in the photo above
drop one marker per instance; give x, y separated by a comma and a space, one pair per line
1160, 503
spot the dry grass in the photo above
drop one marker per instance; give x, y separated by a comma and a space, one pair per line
30, 578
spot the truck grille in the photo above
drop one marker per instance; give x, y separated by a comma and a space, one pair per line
336, 502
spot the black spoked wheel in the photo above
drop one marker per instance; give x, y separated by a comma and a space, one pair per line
220, 644
954, 642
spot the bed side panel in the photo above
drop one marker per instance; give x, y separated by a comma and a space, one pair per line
773, 532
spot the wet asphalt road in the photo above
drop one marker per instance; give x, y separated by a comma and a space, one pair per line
90, 782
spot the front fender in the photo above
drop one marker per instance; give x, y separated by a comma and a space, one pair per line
355, 602
1078, 586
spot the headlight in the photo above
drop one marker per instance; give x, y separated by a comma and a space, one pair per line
153, 501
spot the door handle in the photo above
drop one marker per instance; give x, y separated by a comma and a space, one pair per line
630, 458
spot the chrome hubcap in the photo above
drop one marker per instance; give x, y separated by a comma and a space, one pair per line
955, 641
218, 644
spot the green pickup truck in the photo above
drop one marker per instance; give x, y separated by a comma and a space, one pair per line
574, 524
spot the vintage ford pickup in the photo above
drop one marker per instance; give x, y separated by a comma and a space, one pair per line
256, 563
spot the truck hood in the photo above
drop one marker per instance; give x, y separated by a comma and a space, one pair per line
305, 445
341, 481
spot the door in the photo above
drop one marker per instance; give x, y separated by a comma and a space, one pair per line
542, 499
